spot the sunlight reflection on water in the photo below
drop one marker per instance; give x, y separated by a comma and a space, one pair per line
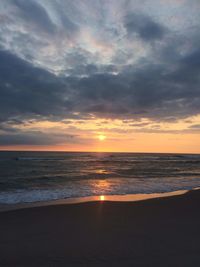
101, 186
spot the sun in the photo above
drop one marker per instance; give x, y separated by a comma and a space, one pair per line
101, 137
102, 198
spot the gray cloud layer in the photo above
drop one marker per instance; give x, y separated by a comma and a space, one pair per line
144, 26
60, 58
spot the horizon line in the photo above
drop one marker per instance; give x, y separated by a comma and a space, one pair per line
76, 151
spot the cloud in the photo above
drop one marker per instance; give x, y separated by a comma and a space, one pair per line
29, 91
35, 138
144, 26
194, 126
81, 59
139, 124
33, 12
148, 91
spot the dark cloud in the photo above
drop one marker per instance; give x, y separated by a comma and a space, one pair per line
25, 139
146, 28
26, 90
104, 61
68, 25
97, 72
18, 137
152, 90
195, 126
140, 124
149, 91
33, 12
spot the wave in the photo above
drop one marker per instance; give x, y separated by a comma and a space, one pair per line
39, 159
84, 190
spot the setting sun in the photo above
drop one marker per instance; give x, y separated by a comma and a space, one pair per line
101, 137
102, 198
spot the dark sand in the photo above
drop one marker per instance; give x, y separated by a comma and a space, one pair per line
157, 232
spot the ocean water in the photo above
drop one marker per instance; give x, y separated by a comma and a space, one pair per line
43, 176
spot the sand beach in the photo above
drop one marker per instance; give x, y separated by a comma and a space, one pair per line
155, 232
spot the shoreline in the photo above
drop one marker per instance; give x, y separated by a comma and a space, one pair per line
154, 232
77, 200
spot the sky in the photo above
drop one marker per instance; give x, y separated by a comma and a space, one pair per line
100, 75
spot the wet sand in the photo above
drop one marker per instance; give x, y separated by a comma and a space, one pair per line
155, 232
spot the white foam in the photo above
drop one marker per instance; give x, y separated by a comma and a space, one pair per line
97, 187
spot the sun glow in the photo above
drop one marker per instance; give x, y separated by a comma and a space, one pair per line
102, 198
101, 137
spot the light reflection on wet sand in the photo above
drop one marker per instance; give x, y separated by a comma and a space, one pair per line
102, 198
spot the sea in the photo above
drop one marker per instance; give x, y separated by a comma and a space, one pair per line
27, 177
